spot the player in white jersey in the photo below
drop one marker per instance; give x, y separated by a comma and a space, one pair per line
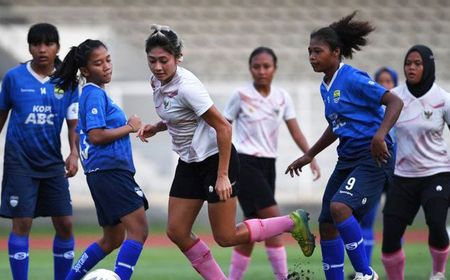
208, 166
422, 169
258, 111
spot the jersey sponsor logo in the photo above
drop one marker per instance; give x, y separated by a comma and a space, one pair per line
139, 192
336, 122
428, 114
59, 93
346, 192
40, 115
43, 91
13, 200
84, 147
27, 90
336, 96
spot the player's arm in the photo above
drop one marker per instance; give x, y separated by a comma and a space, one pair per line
378, 146
3, 118
72, 160
223, 133
103, 136
327, 138
300, 139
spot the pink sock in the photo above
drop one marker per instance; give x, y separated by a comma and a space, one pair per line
202, 260
394, 265
261, 229
439, 259
238, 266
278, 259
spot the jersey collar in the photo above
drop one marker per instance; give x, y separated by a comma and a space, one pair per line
38, 77
332, 79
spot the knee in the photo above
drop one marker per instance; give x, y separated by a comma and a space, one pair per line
63, 228
138, 233
340, 211
110, 243
176, 235
22, 226
224, 240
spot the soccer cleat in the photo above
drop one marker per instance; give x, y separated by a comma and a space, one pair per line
360, 276
301, 232
438, 276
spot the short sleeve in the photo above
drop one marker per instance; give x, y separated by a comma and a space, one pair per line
447, 107
5, 93
72, 109
366, 91
233, 107
289, 113
195, 97
95, 110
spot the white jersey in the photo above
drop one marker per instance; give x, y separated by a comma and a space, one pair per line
257, 119
421, 149
180, 104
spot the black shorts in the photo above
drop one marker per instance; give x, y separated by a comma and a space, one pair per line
115, 194
406, 195
197, 180
256, 184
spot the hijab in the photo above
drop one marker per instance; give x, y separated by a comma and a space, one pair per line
428, 76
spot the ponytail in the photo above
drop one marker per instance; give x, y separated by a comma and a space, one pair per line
65, 76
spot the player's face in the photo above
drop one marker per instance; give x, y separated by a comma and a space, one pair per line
262, 68
44, 54
385, 79
162, 64
321, 57
414, 68
98, 69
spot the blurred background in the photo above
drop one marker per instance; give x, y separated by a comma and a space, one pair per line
218, 37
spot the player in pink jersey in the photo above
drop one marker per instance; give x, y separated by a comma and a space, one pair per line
258, 110
422, 168
208, 165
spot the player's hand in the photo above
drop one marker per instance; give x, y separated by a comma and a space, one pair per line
223, 188
135, 123
146, 131
379, 150
315, 170
71, 164
297, 165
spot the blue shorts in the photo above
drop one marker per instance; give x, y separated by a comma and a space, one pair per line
358, 185
115, 194
24, 196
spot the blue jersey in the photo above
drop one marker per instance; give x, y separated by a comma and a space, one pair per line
353, 110
38, 110
97, 110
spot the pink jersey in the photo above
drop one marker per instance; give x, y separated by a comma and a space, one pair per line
257, 119
421, 149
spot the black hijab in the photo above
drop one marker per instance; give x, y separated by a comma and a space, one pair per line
428, 75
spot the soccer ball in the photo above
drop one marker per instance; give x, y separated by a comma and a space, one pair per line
101, 274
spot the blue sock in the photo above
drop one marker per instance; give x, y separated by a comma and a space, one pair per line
62, 256
350, 232
367, 223
127, 258
18, 256
333, 258
87, 260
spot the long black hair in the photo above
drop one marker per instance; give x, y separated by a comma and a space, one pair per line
65, 76
164, 37
44, 33
260, 50
346, 34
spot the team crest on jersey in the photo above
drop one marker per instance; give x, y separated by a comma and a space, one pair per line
59, 93
166, 103
428, 114
13, 200
336, 96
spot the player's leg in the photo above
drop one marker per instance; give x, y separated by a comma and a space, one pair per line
112, 238
54, 201
182, 214
435, 203
402, 204
19, 198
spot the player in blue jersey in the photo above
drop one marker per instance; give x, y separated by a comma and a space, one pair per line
105, 152
353, 109
35, 174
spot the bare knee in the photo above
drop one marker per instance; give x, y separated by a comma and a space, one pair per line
110, 243
63, 227
22, 226
177, 235
340, 211
224, 240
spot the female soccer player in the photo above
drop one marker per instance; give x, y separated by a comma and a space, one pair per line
422, 168
353, 109
34, 181
208, 165
258, 110
105, 152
